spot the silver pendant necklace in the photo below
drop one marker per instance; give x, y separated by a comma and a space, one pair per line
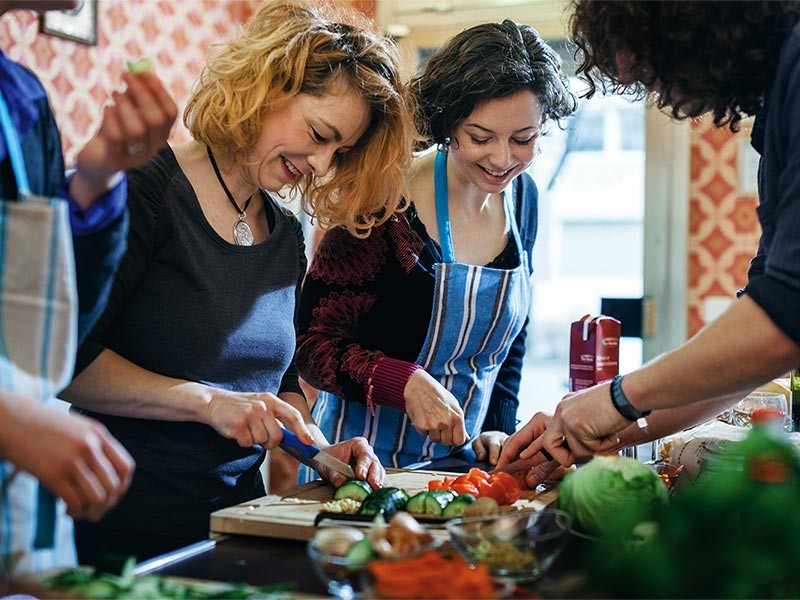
242, 234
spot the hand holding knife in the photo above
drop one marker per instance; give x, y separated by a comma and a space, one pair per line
312, 456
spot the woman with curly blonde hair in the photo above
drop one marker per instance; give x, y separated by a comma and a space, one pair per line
191, 366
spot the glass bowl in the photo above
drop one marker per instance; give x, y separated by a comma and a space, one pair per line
343, 577
670, 474
516, 546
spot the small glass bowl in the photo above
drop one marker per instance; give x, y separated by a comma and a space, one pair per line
344, 577
516, 546
670, 474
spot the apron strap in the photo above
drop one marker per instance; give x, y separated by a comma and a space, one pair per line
14, 149
442, 207
511, 213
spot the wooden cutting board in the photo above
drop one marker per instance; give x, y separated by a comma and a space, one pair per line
290, 514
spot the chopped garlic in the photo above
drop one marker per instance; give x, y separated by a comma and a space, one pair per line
345, 505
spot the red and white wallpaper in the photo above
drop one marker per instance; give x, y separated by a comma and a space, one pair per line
79, 78
723, 226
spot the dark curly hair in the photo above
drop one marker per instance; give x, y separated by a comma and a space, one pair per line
484, 62
697, 56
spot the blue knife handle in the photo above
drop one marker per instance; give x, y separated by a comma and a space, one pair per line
290, 441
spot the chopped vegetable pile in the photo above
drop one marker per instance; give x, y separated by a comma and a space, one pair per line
85, 583
503, 487
475, 494
431, 575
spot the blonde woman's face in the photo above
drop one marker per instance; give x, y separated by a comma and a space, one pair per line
304, 134
497, 141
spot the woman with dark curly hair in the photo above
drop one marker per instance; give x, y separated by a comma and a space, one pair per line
732, 59
416, 334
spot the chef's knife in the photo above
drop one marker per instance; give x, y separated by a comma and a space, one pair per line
310, 455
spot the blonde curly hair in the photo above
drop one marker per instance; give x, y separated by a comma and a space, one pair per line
291, 48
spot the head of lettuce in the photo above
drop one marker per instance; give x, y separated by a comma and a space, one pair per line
612, 493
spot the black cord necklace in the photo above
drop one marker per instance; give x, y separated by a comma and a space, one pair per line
241, 231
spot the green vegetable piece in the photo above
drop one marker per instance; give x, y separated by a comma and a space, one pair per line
360, 553
437, 500
609, 489
386, 501
416, 504
355, 489
458, 505
140, 66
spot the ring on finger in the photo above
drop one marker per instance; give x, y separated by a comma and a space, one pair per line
134, 149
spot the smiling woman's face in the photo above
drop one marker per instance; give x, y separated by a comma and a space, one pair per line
497, 141
304, 135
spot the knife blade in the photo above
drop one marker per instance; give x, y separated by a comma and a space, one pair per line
312, 456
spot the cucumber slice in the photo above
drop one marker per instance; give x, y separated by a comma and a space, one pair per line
458, 505
436, 501
140, 66
416, 504
360, 553
355, 489
386, 501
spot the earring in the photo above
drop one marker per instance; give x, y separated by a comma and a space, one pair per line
443, 146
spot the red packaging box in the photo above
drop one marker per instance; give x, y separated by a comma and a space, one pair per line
593, 351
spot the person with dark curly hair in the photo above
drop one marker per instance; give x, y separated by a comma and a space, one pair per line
416, 334
732, 59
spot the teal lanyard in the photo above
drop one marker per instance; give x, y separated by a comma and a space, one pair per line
14, 149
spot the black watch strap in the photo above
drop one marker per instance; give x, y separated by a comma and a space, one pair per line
621, 403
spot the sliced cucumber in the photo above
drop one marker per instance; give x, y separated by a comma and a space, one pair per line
140, 66
416, 504
458, 505
437, 500
386, 501
355, 489
360, 553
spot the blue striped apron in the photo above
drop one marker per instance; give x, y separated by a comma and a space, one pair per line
38, 339
477, 313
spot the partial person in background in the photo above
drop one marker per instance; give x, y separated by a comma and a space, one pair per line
192, 364
416, 334
46, 453
732, 59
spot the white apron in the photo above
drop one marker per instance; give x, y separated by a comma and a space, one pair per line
477, 313
38, 337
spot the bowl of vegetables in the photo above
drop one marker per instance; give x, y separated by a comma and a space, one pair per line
340, 554
515, 546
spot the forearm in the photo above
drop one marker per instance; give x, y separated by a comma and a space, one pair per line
85, 190
739, 351
13, 410
662, 423
114, 385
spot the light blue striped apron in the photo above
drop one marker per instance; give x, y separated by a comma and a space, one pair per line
38, 338
477, 313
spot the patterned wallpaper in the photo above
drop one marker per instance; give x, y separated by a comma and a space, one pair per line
723, 226
79, 78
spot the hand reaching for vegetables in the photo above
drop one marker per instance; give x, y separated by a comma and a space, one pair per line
525, 443
487, 445
358, 453
433, 410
